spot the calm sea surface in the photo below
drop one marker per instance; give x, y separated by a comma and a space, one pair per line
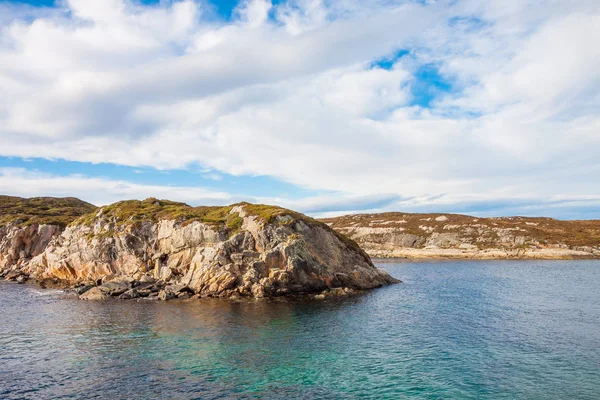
460, 330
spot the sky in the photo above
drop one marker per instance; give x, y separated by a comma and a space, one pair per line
488, 108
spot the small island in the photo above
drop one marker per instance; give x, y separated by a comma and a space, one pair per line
159, 249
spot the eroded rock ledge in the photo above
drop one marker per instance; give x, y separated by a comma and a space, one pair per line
161, 249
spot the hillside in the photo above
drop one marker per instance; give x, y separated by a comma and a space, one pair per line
461, 236
42, 210
164, 249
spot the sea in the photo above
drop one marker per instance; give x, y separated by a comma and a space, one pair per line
451, 330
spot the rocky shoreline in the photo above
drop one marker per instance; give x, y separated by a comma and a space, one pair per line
166, 250
147, 288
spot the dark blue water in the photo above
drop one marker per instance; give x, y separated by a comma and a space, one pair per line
460, 330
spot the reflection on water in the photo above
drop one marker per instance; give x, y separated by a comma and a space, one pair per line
452, 330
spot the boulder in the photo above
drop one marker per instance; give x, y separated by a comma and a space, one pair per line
82, 289
179, 288
144, 292
12, 276
115, 288
95, 293
147, 279
130, 294
166, 295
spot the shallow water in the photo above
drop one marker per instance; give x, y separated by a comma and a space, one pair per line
461, 330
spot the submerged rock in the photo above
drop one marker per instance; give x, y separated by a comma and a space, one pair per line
166, 250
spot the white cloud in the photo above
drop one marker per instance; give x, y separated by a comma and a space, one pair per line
254, 12
102, 191
288, 91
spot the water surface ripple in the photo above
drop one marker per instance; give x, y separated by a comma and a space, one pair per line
452, 330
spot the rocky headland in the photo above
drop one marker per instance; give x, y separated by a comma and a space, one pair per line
422, 236
158, 249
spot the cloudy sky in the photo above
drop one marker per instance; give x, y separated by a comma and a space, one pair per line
328, 107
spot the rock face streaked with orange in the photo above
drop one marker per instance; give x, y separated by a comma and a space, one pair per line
286, 253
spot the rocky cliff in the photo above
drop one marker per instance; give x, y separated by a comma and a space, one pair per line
157, 248
462, 236
28, 225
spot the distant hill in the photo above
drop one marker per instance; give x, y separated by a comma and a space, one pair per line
398, 234
42, 210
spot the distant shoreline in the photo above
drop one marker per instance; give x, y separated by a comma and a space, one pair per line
455, 236
491, 254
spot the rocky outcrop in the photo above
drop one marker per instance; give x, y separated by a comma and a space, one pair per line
21, 243
165, 250
461, 236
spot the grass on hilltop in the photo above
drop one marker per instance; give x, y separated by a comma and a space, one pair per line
153, 210
42, 210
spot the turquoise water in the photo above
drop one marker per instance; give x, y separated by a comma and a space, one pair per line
460, 330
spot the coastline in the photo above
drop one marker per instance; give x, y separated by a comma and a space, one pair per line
489, 254
457, 236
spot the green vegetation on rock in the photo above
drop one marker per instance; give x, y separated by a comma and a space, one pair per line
42, 210
153, 210
268, 214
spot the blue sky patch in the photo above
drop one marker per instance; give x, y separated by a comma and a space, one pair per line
52, 3
258, 186
37, 3
223, 8
388, 62
429, 84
